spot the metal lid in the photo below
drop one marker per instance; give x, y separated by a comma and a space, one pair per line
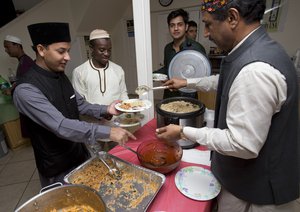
189, 64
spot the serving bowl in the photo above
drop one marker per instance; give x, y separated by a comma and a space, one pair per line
160, 156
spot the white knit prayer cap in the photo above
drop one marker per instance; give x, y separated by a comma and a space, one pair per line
13, 39
99, 33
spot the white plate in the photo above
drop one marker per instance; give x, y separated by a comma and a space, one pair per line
145, 104
129, 119
197, 183
159, 77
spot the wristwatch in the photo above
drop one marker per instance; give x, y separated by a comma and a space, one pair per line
165, 3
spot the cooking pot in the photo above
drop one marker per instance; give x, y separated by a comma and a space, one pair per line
62, 197
191, 119
160, 156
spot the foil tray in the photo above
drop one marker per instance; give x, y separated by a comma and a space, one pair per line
134, 192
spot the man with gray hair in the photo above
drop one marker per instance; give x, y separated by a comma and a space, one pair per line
255, 144
98, 79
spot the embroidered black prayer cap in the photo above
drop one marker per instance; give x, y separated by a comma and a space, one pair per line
213, 5
48, 33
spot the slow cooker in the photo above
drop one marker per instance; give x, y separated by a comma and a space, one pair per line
191, 119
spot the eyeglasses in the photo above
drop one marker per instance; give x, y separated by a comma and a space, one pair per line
213, 5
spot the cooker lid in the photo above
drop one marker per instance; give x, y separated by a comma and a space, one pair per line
189, 64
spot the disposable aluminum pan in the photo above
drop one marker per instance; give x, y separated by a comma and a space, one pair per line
133, 192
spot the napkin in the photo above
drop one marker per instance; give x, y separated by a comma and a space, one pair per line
196, 156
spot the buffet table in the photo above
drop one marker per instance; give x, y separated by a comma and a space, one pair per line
169, 197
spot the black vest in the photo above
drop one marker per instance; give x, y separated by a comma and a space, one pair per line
272, 177
54, 155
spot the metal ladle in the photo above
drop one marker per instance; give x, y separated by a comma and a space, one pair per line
143, 89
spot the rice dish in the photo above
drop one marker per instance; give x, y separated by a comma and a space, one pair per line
180, 107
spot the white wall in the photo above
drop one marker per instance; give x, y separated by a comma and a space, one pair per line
123, 52
289, 38
74, 12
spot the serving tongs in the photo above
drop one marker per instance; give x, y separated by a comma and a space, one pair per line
114, 172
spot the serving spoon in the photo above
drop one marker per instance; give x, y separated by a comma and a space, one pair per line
130, 149
143, 89
114, 172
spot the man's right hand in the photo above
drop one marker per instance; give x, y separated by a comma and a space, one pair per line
120, 135
176, 83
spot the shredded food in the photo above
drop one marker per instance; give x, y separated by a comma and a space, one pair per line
180, 107
75, 208
129, 192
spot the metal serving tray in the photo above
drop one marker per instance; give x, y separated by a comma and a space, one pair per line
133, 192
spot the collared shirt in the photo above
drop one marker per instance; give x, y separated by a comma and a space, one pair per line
258, 84
101, 86
31, 102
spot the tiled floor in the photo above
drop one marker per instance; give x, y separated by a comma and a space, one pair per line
19, 180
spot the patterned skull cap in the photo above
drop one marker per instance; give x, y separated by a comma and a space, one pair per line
213, 5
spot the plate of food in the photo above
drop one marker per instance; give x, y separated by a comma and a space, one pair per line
159, 77
197, 183
128, 119
133, 105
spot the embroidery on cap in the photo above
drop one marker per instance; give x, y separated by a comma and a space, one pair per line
213, 5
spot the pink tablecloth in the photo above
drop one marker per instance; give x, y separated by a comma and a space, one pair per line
169, 197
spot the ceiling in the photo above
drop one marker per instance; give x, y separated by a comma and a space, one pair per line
25, 5
101, 13
89, 14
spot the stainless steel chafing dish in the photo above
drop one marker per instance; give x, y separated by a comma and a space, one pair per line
134, 191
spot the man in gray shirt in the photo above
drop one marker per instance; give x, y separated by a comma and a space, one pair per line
51, 107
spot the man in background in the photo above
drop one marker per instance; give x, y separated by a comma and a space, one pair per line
48, 102
192, 30
99, 80
13, 47
178, 24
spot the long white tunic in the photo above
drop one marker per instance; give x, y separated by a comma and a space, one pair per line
100, 86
